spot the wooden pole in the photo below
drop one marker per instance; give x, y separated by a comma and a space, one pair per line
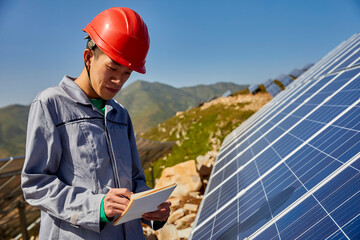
22, 216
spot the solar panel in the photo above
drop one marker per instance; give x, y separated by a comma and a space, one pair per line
273, 89
307, 66
268, 82
253, 88
292, 170
350, 58
296, 73
284, 79
227, 93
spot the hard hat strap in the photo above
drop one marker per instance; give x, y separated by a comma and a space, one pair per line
89, 79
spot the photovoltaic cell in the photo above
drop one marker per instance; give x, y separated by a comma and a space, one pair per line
292, 170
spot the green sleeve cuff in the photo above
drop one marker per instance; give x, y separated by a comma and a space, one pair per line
103, 217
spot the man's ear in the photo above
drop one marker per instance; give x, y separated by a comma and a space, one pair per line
88, 57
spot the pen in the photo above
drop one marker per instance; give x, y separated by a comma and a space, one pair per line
109, 188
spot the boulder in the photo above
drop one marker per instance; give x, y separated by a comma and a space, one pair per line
176, 215
184, 233
204, 171
184, 175
168, 231
175, 203
205, 164
185, 221
201, 159
194, 194
191, 207
149, 233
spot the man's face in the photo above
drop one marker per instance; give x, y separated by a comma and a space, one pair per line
107, 76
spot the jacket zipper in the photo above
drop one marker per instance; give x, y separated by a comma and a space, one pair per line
112, 156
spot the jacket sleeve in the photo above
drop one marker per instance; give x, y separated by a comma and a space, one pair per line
39, 180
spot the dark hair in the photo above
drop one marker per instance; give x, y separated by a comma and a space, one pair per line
92, 46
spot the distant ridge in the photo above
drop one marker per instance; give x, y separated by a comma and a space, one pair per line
152, 103
206, 92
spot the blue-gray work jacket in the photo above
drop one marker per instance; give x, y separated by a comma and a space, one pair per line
72, 153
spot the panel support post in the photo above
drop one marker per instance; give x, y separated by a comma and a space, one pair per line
22, 216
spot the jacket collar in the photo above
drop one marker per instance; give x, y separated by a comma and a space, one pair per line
74, 91
78, 95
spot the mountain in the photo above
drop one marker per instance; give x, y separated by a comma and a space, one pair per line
148, 104
13, 121
151, 103
207, 92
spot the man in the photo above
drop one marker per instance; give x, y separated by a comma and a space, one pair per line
80, 142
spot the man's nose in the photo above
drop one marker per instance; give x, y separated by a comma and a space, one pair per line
119, 80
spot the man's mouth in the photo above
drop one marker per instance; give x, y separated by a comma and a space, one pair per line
112, 90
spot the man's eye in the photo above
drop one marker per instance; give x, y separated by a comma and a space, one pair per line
112, 69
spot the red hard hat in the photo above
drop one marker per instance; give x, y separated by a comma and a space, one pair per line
122, 35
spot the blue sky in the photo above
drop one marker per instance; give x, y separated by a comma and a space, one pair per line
192, 42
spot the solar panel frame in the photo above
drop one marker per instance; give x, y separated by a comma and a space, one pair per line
297, 124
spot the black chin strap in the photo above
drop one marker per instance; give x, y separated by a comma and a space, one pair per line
89, 79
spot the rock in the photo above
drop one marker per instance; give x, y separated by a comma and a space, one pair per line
149, 234
176, 215
212, 154
205, 164
178, 113
184, 175
208, 159
168, 231
184, 233
204, 171
191, 207
175, 202
200, 160
194, 194
185, 221
200, 196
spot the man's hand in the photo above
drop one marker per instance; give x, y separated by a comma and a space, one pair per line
161, 214
116, 201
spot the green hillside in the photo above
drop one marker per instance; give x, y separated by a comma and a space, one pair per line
152, 103
13, 121
201, 129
